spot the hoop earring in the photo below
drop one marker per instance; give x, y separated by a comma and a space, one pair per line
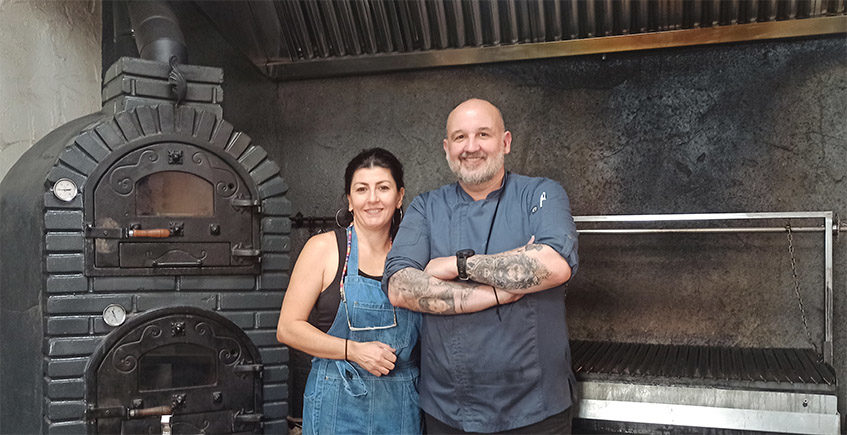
336, 217
395, 215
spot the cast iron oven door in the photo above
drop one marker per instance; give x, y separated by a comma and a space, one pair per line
181, 369
173, 208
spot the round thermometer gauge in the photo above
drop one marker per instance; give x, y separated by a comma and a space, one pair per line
65, 189
114, 315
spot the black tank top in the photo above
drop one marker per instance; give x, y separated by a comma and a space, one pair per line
326, 307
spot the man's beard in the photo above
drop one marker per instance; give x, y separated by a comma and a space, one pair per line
480, 175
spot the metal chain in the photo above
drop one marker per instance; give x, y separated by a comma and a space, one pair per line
797, 286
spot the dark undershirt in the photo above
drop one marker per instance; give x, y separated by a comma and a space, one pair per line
326, 307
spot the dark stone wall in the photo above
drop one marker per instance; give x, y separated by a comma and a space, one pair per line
755, 126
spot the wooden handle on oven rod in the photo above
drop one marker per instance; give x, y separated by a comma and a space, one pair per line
146, 412
156, 233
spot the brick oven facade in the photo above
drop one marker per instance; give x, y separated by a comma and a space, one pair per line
52, 295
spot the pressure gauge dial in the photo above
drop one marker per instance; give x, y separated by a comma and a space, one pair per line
114, 315
65, 189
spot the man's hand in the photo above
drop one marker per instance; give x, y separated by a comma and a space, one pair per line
443, 268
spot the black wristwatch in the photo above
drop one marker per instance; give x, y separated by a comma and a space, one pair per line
462, 262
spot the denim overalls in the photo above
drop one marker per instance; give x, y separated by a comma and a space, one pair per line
341, 397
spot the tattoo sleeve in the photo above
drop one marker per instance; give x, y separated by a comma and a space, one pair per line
511, 270
418, 291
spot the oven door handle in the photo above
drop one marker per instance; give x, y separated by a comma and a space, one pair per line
195, 263
93, 413
158, 233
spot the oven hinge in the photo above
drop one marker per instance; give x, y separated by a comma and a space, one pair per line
238, 251
240, 202
248, 368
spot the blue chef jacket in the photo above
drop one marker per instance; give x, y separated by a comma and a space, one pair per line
478, 373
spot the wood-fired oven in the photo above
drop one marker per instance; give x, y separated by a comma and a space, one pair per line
144, 257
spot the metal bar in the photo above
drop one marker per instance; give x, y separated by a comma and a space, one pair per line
808, 366
524, 28
714, 7
625, 16
313, 13
537, 25
494, 20
732, 11
791, 9
475, 15
696, 13
572, 20
702, 216
367, 25
612, 44
710, 416
349, 31
641, 15
752, 10
419, 11
828, 296
440, 20
701, 230
457, 15
407, 28
676, 14
395, 23
382, 24
815, 8
590, 18
662, 13
595, 356
511, 36
608, 18
554, 20
771, 9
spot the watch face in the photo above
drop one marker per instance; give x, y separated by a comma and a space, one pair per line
65, 190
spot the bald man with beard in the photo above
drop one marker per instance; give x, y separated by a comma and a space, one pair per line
486, 260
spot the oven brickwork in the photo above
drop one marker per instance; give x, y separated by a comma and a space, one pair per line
73, 322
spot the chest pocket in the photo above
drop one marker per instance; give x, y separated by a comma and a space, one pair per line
379, 322
371, 317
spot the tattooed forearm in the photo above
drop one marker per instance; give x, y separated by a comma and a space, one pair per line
511, 270
418, 291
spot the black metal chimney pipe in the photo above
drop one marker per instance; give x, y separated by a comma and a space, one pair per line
157, 32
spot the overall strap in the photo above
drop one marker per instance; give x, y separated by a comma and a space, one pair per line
353, 249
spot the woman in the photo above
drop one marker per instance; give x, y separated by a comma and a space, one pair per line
364, 374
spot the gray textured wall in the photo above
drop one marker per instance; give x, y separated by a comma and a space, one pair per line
50, 70
745, 127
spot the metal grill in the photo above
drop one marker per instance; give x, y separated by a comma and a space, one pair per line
316, 38
767, 368
320, 29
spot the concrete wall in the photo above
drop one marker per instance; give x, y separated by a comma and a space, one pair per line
49, 72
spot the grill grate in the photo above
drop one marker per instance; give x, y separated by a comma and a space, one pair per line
761, 368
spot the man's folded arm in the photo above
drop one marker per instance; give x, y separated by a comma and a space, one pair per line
527, 269
416, 290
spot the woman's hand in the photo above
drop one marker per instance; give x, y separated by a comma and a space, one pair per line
375, 357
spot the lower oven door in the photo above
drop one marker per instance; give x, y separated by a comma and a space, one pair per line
178, 370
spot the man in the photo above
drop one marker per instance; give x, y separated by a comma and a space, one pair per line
486, 260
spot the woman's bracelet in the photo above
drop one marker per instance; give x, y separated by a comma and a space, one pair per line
345, 349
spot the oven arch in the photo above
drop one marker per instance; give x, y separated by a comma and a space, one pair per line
228, 400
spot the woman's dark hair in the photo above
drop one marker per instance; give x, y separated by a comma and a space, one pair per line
380, 158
